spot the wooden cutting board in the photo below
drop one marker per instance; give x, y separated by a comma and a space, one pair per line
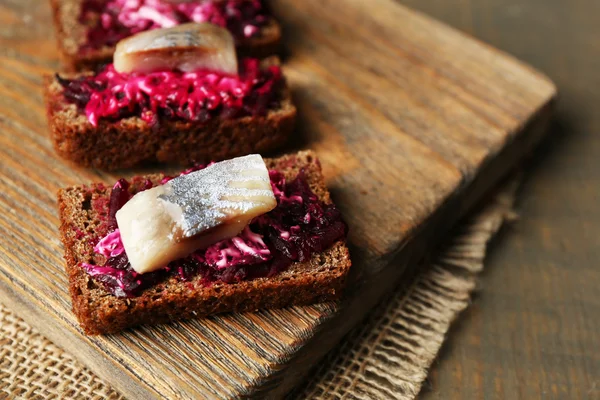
413, 123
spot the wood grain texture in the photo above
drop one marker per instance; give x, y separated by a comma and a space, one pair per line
533, 330
413, 123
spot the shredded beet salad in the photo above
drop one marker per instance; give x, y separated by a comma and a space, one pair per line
299, 226
113, 20
174, 95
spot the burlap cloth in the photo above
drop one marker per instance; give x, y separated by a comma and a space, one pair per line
385, 357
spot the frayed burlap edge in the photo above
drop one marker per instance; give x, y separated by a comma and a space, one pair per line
386, 357
389, 355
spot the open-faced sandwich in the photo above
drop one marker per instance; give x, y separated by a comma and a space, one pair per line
237, 235
88, 30
171, 95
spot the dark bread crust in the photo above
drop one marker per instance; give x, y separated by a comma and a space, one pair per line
70, 34
131, 141
99, 312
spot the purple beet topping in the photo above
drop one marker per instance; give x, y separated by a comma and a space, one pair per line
174, 95
300, 226
118, 197
113, 20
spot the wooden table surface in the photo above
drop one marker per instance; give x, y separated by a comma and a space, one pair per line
533, 331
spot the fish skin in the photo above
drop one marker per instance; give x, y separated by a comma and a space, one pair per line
186, 47
221, 192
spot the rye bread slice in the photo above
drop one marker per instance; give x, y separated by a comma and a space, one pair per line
71, 34
99, 312
131, 141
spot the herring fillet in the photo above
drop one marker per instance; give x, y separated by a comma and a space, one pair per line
186, 47
193, 211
